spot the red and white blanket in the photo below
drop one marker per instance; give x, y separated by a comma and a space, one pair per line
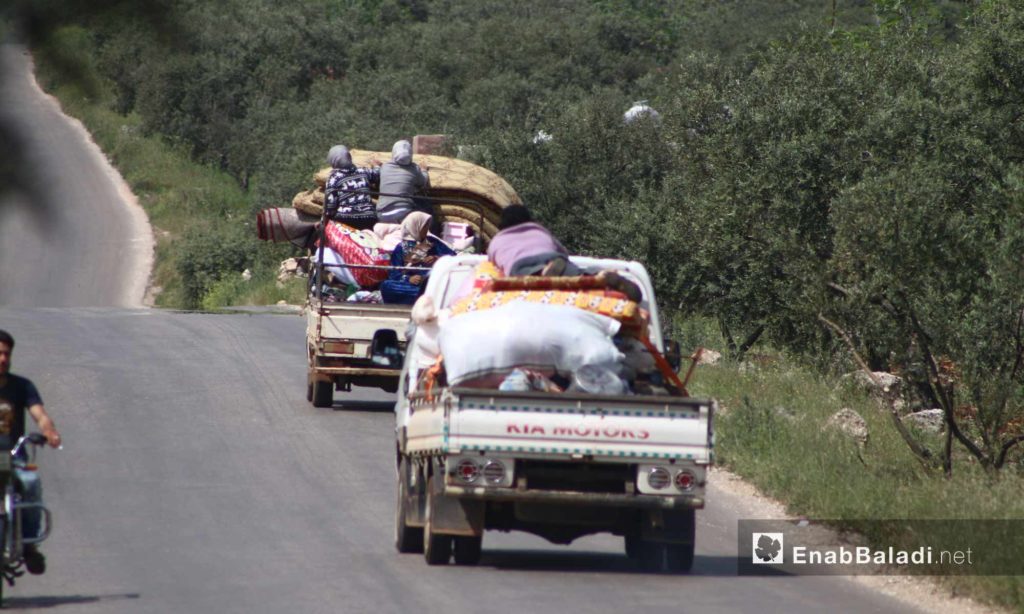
359, 248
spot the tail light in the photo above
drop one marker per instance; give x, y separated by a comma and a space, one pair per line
685, 480
659, 478
494, 472
467, 471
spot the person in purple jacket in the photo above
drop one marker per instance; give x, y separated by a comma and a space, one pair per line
524, 247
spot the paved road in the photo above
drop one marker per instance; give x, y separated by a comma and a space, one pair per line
66, 235
196, 478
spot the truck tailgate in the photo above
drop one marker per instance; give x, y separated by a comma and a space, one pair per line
580, 425
358, 321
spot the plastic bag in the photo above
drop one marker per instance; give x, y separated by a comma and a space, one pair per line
597, 379
551, 338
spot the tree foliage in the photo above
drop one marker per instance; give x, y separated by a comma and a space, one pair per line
856, 162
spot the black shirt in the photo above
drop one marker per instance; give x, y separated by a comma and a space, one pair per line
17, 395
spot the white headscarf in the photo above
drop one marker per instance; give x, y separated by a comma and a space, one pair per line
339, 157
413, 225
401, 153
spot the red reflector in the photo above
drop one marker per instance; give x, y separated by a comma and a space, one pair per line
685, 480
467, 471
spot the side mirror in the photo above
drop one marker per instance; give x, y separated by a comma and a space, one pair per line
673, 354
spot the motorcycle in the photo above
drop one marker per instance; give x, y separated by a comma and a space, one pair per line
12, 546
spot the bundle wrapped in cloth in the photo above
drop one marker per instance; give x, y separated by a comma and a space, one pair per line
359, 247
545, 338
584, 293
550, 327
283, 225
310, 202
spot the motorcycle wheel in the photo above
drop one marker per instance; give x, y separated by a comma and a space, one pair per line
3, 554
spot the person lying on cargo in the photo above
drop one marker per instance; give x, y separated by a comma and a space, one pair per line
401, 179
417, 249
524, 247
346, 195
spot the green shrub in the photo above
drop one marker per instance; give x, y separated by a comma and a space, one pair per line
207, 255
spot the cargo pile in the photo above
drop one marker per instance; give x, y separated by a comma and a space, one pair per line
466, 199
576, 334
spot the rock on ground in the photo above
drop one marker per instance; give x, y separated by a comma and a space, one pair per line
930, 420
850, 424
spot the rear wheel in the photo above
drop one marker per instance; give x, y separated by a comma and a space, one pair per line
437, 549
468, 549
679, 557
632, 547
651, 555
323, 393
309, 374
407, 539
674, 556
3, 554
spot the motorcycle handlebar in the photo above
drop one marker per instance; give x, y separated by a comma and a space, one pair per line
36, 439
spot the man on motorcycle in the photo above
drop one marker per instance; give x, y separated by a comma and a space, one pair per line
18, 394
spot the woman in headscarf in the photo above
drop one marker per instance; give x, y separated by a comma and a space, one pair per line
402, 179
417, 249
346, 195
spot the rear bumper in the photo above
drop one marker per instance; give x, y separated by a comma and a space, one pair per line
649, 502
358, 371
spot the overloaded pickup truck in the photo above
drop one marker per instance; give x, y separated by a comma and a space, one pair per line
557, 464
362, 344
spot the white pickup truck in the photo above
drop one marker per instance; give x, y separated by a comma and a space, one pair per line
361, 344
559, 465
340, 347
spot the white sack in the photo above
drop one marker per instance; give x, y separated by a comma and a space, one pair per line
341, 273
519, 334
